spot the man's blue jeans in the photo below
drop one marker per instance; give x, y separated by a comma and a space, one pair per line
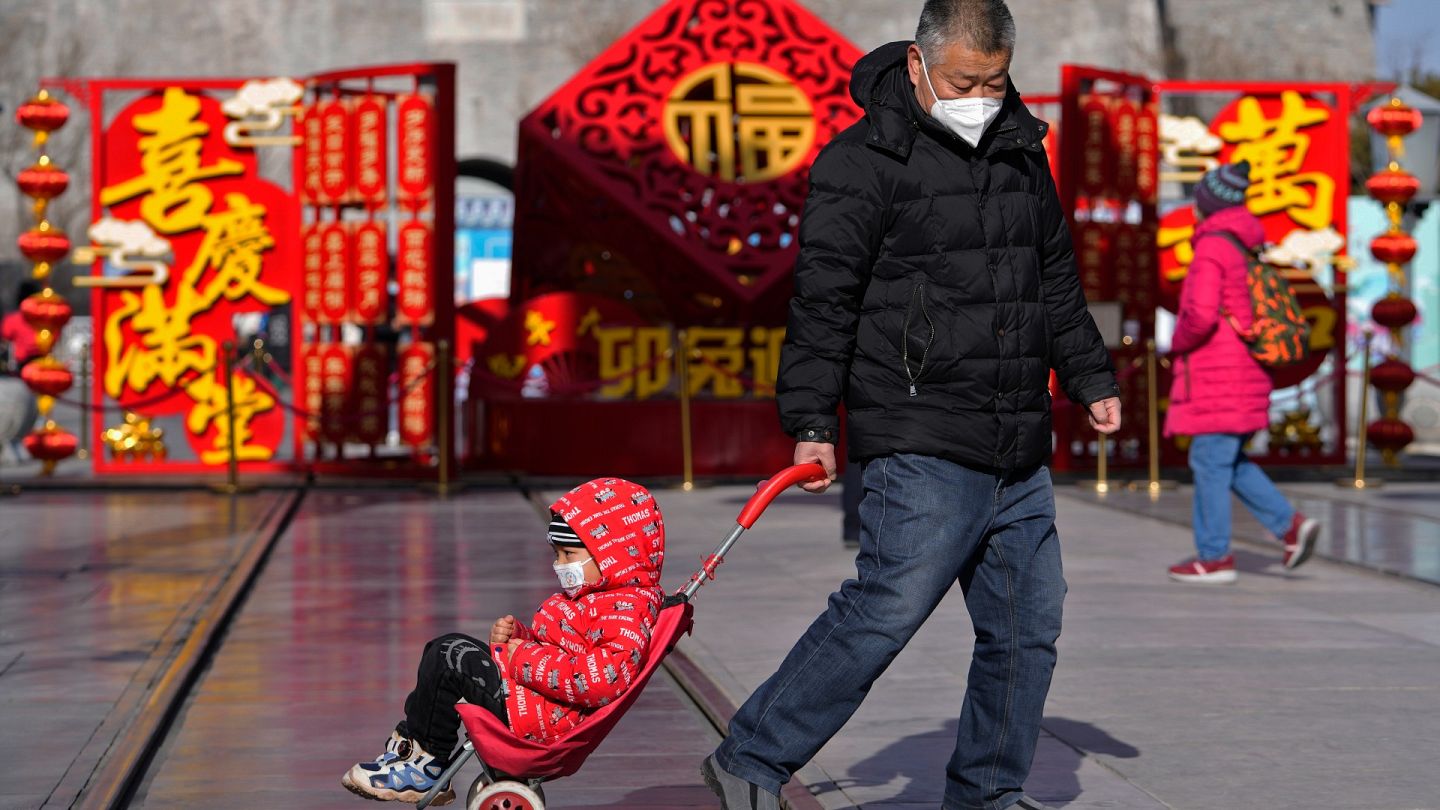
1220, 466
925, 525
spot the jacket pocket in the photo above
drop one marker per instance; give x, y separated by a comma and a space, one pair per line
917, 336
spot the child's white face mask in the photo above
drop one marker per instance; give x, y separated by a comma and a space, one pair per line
572, 576
966, 117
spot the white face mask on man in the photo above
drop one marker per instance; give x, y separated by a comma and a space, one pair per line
968, 118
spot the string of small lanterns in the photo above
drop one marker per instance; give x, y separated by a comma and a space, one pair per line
1394, 187
46, 312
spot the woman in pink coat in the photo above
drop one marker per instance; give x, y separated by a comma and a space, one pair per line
1221, 394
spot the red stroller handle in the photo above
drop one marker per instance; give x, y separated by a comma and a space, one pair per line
773, 486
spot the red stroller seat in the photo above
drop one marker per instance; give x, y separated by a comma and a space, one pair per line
525, 764
499, 748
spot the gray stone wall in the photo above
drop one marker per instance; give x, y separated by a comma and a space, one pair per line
513, 53
1309, 40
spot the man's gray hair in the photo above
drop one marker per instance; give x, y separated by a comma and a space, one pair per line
980, 25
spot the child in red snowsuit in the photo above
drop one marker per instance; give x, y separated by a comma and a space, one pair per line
583, 649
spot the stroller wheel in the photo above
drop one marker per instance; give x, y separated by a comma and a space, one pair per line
507, 796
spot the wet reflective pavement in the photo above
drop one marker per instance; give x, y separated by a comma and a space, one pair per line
1394, 529
95, 589
1166, 695
314, 671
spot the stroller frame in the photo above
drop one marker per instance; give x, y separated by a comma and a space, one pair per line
754, 507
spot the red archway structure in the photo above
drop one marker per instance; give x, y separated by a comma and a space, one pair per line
667, 177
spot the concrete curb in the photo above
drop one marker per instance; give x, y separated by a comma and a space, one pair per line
718, 709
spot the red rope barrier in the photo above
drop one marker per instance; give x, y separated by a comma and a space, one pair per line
745, 380
571, 388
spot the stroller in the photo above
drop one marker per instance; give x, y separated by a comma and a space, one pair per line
512, 769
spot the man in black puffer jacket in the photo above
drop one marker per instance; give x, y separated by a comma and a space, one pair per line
935, 290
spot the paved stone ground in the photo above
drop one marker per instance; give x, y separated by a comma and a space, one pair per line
1310, 690
1394, 529
91, 585
1316, 689
314, 672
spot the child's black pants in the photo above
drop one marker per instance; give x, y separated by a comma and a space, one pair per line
453, 666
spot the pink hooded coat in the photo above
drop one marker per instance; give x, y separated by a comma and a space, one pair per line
1218, 387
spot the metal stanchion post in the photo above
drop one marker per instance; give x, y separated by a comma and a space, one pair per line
444, 398
227, 370
83, 431
1361, 439
1152, 389
232, 478
1102, 463
682, 360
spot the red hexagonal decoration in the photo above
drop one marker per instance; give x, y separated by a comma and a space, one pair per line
681, 154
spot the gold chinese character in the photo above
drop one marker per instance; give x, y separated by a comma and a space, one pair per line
1276, 150
170, 165
739, 120
716, 360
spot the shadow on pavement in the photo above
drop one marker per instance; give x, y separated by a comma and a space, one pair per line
919, 762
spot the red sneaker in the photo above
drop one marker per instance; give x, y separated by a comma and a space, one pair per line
1205, 571
1300, 540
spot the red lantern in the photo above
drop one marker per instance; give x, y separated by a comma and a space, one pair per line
1394, 247
42, 113
1394, 120
1390, 435
46, 310
43, 181
1393, 186
1392, 376
50, 445
1394, 312
44, 244
47, 376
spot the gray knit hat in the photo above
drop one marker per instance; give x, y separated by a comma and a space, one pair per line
1223, 187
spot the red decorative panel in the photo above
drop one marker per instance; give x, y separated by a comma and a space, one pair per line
311, 155
335, 259
370, 142
417, 397
413, 261
335, 376
335, 157
415, 148
370, 296
371, 394
312, 363
312, 269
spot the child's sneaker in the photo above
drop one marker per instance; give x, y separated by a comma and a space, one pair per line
1205, 571
1300, 540
403, 773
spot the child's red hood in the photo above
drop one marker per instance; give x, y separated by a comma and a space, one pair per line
622, 528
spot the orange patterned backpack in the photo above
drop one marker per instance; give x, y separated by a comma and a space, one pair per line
1279, 335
